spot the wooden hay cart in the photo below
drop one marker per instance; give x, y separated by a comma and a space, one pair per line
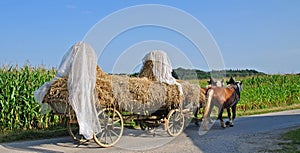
111, 104
146, 99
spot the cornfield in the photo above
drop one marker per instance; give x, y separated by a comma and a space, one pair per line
18, 109
267, 91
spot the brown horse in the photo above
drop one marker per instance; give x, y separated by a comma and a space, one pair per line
223, 98
211, 84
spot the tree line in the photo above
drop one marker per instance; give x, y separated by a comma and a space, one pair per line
186, 74
192, 74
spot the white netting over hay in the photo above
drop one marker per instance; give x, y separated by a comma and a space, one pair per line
161, 68
79, 65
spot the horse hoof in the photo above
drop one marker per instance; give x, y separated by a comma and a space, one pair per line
230, 125
197, 123
227, 122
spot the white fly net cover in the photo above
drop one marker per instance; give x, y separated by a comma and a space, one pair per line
79, 63
162, 68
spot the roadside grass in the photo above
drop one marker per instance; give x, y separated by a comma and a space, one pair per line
291, 142
267, 110
35, 134
241, 113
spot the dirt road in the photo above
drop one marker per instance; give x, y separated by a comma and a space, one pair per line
250, 134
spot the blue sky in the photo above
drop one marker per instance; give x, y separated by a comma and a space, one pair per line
261, 35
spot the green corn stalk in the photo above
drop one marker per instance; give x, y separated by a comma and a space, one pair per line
18, 108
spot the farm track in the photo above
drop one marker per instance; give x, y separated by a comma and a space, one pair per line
257, 133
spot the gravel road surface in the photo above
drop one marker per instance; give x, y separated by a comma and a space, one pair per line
257, 133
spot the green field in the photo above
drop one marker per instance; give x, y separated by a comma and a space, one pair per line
20, 111
267, 91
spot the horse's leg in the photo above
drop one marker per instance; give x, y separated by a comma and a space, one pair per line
221, 109
233, 115
207, 109
229, 116
210, 110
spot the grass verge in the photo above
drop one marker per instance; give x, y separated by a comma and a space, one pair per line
267, 110
291, 143
32, 134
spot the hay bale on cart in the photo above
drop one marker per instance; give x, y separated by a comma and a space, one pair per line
157, 67
123, 92
155, 87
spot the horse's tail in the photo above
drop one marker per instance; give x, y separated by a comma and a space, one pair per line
208, 104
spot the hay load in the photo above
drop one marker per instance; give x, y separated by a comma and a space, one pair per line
147, 71
131, 94
191, 94
154, 88
157, 67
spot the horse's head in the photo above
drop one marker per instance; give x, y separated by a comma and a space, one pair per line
231, 81
216, 83
220, 83
211, 81
238, 84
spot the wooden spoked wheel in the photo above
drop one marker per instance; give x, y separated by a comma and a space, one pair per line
112, 127
175, 122
73, 129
